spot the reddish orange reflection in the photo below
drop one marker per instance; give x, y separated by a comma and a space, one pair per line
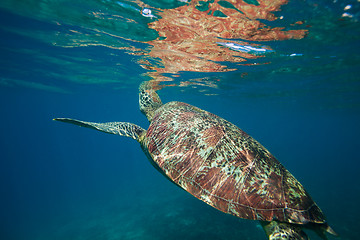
190, 34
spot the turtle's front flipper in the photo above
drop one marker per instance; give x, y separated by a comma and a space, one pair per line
119, 128
283, 231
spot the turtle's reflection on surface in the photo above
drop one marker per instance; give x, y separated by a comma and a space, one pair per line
202, 35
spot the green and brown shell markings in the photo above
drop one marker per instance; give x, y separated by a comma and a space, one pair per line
223, 166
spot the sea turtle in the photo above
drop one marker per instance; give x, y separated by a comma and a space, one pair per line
221, 165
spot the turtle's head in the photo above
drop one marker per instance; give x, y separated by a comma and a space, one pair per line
149, 100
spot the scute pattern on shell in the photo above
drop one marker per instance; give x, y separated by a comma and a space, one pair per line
223, 166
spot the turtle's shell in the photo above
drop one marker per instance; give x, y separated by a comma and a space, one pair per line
223, 166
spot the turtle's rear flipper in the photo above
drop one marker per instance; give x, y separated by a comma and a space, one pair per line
119, 128
281, 231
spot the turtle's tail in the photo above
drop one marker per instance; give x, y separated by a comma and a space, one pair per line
331, 231
118, 128
324, 228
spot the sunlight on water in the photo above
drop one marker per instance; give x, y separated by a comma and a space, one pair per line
169, 38
190, 36
287, 71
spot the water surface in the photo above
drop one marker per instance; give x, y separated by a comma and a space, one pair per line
287, 75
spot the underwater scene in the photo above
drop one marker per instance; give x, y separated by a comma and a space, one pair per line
286, 72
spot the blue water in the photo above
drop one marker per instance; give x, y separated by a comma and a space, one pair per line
301, 100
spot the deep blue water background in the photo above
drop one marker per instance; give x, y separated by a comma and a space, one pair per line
63, 182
